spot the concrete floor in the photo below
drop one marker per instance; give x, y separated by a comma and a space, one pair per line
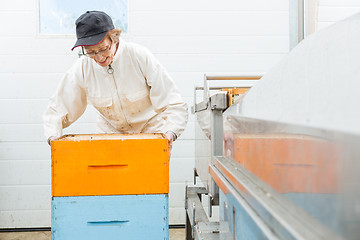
175, 234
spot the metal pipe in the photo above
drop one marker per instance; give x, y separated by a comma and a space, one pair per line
296, 22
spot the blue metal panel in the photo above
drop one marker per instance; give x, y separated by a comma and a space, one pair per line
324, 207
245, 228
110, 217
240, 223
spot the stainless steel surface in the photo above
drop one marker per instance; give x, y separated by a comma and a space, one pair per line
227, 187
209, 142
203, 147
212, 231
213, 196
194, 208
298, 223
198, 224
311, 190
299, 173
209, 108
218, 103
311, 174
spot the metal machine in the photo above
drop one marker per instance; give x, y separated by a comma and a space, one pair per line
271, 180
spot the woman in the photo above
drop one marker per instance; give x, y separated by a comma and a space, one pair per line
130, 89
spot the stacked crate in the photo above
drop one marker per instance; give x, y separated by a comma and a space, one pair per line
110, 186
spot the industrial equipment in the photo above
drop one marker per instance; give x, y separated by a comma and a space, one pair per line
271, 180
283, 161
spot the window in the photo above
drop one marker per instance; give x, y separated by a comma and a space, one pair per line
59, 16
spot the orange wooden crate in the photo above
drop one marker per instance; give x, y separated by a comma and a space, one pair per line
109, 164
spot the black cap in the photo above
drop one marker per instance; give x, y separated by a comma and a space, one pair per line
92, 27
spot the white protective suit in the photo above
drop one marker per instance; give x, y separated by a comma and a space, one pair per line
137, 97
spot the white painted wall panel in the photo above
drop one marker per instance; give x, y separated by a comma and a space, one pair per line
177, 215
219, 62
190, 38
27, 218
29, 111
181, 169
29, 133
215, 44
189, 132
22, 110
25, 206
25, 172
336, 13
322, 25
17, 85
27, 197
209, 5
205, 24
17, 5
22, 23
331, 11
24, 151
183, 149
38, 63
336, 3
34, 132
176, 195
39, 45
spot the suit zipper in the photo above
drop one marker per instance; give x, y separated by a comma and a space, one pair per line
110, 70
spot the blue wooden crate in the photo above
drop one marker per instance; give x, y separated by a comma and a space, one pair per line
110, 217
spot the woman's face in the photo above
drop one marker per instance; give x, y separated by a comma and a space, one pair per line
102, 53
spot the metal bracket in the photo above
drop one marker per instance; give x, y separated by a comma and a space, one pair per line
195, 175
218, 101
198, 225
213, 197
194, 210
213, 231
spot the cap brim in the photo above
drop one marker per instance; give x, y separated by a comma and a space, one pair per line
90, 41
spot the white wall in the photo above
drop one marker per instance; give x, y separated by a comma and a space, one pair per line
331, 11
189, 37
316, 85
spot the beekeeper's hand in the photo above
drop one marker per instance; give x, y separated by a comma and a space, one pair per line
171, 138
51, 139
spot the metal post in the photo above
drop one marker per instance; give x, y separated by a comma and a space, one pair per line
218, 103
188, 229
216, 132
296, 22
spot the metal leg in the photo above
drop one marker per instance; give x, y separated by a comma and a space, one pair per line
188, 228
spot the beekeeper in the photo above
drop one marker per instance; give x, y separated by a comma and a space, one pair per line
127, 85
